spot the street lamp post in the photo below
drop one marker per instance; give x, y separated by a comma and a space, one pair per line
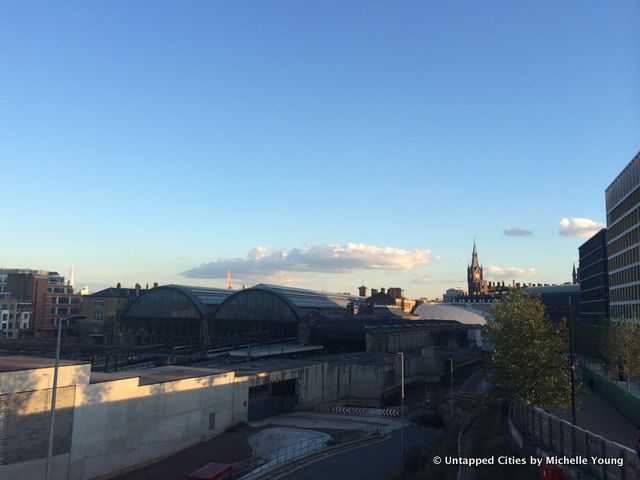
401, 409
54, 393
451, 387
572, 367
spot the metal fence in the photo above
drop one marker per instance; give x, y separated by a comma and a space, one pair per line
558, 438
288, 453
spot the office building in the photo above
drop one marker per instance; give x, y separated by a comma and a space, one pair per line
623, 242
594, 279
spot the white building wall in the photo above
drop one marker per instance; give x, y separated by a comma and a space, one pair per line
109, 425
139, 423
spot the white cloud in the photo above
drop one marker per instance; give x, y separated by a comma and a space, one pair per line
329, 258
510, 273
420, 279
579, 227
517, 232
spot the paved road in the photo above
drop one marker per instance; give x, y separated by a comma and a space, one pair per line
373, 462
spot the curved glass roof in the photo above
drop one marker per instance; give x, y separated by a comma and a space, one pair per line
303, 298
209, 298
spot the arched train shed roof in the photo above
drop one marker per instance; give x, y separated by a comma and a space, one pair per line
276, 301
177, 300
183, 300
303, 298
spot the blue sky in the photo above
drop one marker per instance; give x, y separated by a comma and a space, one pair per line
318, 144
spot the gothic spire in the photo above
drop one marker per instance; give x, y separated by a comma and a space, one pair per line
474, 255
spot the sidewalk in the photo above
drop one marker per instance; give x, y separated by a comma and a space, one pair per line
595, 414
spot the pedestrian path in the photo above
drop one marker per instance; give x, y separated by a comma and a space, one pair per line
597, 415
630, 386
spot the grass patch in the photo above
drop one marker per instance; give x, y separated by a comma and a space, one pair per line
489, 436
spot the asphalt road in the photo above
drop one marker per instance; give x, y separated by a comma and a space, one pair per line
373, 462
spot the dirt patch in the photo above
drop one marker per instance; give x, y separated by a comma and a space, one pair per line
230, 447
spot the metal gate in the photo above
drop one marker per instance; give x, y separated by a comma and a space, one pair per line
272, 399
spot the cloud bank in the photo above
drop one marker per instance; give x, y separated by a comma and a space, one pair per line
579, 227
510, 273
517, 232
324, 258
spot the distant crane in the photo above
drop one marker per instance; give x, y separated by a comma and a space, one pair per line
70, 280
229, 280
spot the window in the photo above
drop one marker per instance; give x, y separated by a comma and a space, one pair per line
212, 421
98, 316
75, 300
98, 303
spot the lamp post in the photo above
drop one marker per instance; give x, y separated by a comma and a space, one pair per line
54, 392
401, 354
451, 386
401, 409
572, 367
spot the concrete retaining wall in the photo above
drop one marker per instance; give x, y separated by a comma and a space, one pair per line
111, 425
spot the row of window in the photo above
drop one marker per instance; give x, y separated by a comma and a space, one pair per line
628, 275
625, 294
65, 300
60, 290
625, 241
64, 311
626, 258
9, 325
65, 321
621, 210
594, 275
626, 181
624, 311
625, 223
599, 293
593, 258
18, 316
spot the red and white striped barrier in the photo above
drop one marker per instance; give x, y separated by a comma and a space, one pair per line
350, 410
390, 412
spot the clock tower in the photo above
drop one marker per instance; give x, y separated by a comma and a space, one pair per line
474, 273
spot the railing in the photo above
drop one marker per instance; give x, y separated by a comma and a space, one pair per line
287, 454
555, 437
